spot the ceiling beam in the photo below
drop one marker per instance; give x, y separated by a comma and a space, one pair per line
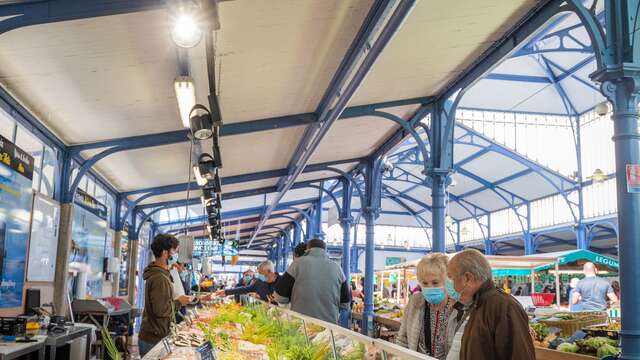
28, 13
240, 128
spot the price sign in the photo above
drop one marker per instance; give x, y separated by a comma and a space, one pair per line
206, 352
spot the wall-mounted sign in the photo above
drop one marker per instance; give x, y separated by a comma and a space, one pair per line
16, 159
394, 260
89, 203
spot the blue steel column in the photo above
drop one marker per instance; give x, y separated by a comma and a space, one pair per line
580, 229
317, 222
488, 244
345, 222
309, 226
438, 212
529, 241
440, 165
297, 233
371, 210
287, 244
618, 57
624, 96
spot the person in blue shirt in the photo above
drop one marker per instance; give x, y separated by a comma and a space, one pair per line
572, 287
592, 291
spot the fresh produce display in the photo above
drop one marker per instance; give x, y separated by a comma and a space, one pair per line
259, 332
548, 337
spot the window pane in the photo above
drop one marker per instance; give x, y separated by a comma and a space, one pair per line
6, 125
48, 172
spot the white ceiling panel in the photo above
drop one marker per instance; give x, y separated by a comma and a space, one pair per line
277, 57
95, 79
531, 186
493, 166
145, 168
254, 152
353, 138
487, 200
442, 38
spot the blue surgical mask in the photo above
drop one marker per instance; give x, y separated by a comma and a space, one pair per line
247, 279
173, 258
452, 290
261, 277
433, 295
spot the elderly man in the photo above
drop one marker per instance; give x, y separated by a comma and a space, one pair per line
315, 285
497, 327
263, 285
592, 291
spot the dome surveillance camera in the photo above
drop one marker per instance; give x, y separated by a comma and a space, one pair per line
602, 109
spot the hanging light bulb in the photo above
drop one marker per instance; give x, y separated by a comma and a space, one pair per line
598, 176
186, 31
185, 89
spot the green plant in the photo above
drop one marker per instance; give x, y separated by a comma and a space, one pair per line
109, 344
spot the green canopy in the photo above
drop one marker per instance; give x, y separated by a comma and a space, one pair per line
572, 256
511, 272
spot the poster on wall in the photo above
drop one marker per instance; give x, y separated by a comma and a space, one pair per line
123, 288
16, 173
43, 245
88, 240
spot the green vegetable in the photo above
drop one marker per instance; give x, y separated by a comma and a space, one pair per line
594, 343
542, 330
606, 350
568, 347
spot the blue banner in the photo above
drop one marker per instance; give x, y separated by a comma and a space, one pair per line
16, 199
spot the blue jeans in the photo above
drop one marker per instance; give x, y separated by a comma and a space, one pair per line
344, 317
144, 347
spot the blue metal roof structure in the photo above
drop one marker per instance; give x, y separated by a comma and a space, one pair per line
296, 142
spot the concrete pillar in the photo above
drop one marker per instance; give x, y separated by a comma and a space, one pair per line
117, 252
62, 259
133, 266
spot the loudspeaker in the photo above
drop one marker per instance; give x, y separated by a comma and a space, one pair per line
32, 300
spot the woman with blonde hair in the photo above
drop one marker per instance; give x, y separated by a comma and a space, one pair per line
428, 323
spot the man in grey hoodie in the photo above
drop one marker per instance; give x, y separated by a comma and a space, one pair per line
315, 285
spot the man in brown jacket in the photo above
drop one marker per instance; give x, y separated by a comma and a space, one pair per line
159, 305
497, 327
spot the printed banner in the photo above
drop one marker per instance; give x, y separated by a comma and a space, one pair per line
16, 199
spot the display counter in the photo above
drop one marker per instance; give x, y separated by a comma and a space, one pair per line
260, 331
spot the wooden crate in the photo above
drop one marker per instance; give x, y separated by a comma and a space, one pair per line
548, 354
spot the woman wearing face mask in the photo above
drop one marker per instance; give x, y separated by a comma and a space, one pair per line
426, 322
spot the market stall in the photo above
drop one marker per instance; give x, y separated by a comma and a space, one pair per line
261, 331
556, 263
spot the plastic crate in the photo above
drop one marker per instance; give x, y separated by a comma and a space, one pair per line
543, 299
13, 326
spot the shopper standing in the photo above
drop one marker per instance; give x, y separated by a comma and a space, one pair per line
315, 285
263, 285
593, 291
426, 325
497, 327
159, 303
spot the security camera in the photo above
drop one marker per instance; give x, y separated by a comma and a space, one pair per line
602, 109
387, 166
